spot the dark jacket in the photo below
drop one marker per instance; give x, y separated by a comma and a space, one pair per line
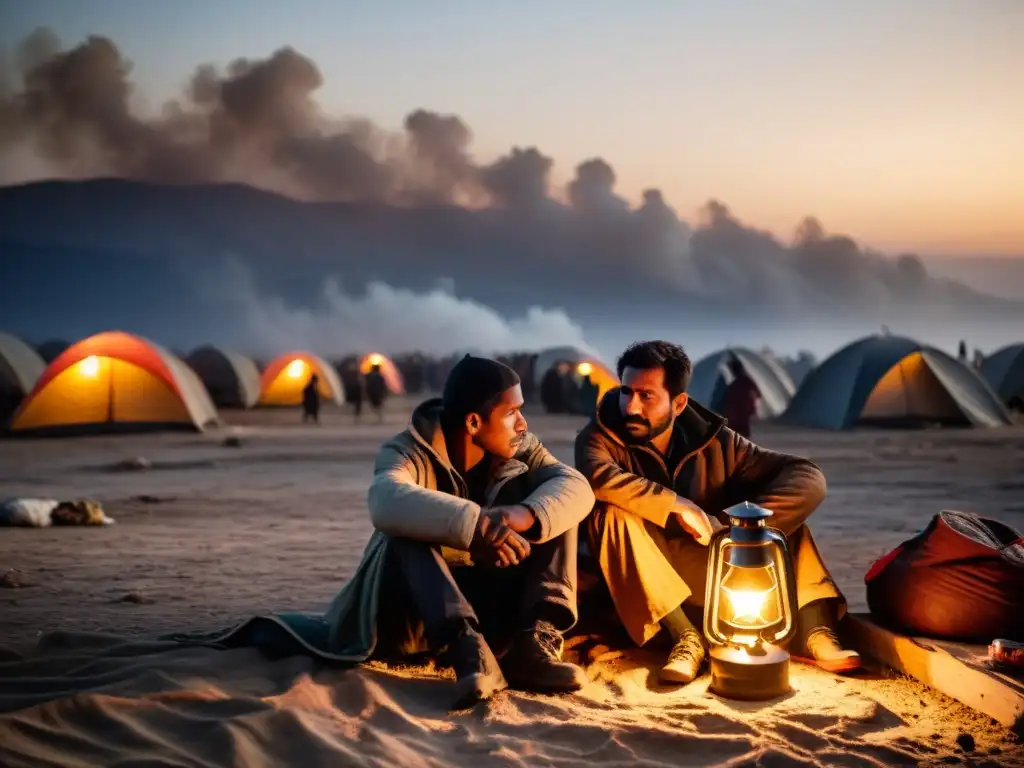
718, 468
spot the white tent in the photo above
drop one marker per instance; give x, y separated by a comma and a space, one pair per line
893, 380
20, 369
711, 375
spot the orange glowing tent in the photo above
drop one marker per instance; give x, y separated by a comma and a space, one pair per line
585, 365
286, 376
115, 382
603, 376
392, 377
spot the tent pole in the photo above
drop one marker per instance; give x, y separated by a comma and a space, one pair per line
110, 390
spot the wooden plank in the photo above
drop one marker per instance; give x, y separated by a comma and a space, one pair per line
957, 671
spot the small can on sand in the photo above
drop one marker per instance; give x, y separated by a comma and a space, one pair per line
1007, 652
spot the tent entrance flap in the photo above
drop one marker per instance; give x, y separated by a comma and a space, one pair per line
910, 393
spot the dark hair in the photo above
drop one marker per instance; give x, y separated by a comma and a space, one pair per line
474, 385
644, 355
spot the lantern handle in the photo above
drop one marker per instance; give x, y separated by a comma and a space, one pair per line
715, 562
785, 564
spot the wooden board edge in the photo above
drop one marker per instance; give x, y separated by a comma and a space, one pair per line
938, 669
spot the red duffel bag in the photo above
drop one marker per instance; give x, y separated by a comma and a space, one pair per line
962, 578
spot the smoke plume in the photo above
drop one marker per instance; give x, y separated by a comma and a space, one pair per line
394, 320
258, 122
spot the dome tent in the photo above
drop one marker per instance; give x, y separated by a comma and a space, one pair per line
1004, 372
391, 374
892, 380
20, 369
115, 382
585, 364
233, 380
287, 375
711, 375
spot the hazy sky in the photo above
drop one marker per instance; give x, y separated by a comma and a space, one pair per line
899, 122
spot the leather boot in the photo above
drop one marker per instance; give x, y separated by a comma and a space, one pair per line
824, 650
477, 673
534, 662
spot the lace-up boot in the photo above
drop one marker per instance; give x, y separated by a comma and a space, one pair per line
685, 658
534, 662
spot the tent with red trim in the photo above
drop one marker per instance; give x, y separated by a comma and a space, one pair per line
287, 375
115, 382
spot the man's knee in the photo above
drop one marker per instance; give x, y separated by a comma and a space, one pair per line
411, 556
599, 521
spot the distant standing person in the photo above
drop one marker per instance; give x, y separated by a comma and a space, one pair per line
376, 390
352, 380
311, 400
739, 404
551, 391
587, 400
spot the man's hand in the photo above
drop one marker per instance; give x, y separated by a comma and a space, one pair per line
693, 520
494, 533
516, 516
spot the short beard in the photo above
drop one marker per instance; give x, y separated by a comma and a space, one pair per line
652, 432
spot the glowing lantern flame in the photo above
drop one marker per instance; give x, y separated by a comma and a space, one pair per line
90, 366
296, 368
584, 369
752, 595
747, 605
376, 359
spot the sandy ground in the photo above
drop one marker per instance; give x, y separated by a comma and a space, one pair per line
212, 534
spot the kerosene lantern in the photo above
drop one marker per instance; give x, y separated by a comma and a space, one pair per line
750, 607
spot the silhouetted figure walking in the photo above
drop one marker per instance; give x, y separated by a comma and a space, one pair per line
352, 381
311, 401
376, 391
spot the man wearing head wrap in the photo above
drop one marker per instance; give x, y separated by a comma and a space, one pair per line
475, 545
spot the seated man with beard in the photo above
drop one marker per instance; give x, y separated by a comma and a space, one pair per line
476, 542
659, 464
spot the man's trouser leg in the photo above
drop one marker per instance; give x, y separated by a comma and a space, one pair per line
651, 571
420, 598
639, 567
813, 580
542, 587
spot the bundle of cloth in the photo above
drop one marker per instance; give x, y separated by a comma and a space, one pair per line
961, 578
42, 513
